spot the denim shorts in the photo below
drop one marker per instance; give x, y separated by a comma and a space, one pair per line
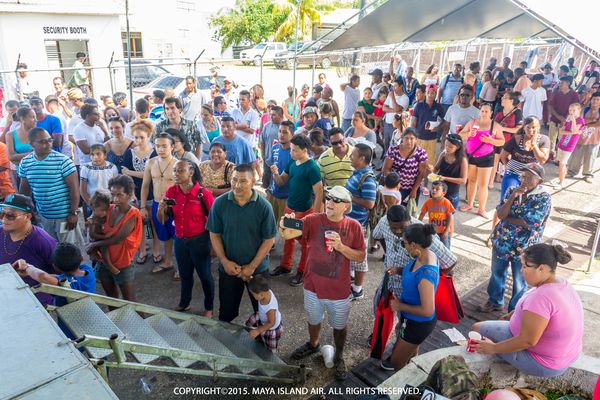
125, 275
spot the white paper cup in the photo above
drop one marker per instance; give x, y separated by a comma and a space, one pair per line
472, 337
327, 352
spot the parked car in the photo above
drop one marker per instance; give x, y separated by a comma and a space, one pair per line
142, 75
306, 55
177, 83
254, 54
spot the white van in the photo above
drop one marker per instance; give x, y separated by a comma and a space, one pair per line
254, 54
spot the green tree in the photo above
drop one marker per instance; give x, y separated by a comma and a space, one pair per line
310, 12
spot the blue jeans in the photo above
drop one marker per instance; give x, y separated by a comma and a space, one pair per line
508, 180
190, 256
497, 285
346, 123
445, 242
406, 194
454, 199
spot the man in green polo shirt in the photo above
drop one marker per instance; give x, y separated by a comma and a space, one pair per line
242, 231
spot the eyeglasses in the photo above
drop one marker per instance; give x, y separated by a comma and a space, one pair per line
337, 142
523, 178
270, 106
43, 142
334, 199
9, 216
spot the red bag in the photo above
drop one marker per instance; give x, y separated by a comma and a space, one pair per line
447, 303
384, 321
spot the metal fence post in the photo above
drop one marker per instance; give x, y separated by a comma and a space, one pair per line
594, 246
312, 81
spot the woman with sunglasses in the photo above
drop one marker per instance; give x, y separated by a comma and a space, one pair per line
181, 146
23, 238
110, 112
119, 144
17, 143
416, 306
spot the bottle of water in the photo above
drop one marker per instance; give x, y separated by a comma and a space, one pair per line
146, 387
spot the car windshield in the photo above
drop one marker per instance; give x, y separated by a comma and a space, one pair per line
293, 46
168, 82
260, 46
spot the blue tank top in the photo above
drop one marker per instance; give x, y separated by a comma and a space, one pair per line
212, 136
410, 286
20, 148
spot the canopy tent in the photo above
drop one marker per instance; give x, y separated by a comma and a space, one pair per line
399, 21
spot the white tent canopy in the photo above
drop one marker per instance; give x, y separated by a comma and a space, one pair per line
399, 21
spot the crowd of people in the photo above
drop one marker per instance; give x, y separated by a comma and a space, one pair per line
184, 173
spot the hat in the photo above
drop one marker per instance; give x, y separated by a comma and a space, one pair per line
431, 86
308, 110
341, 193
536, 169
75, 93
91, 100
376, 71
226, 79
318, 88
19, 202
35, 99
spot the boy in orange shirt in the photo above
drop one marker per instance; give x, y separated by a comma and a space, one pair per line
440, 211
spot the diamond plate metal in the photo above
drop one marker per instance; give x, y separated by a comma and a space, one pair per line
232, 343
137, 330
259, 349
175, 336
84, 317
210, 344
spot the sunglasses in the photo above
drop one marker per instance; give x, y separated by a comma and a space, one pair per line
9, 216
111, 115
334, 199
337, 142
527, 178
111, 119
402, 244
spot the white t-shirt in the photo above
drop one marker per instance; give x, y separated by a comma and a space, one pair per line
351, 97
400, 100
263, 309
251, 119
75, 120
533, 100
97, 177
460, 116
93, 135
550, 78
390, 192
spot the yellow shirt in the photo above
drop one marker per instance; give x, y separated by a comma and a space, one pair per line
334, 171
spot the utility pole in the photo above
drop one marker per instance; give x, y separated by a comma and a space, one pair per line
296, 47
129, 53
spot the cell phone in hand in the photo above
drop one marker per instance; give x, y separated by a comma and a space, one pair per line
293, 223
170, 202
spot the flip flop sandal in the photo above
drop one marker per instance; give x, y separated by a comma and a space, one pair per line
176, 277
179, 309
483, 214
157, 258
161, 269
466, 208
141, 260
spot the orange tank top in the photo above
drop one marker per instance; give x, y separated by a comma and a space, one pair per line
121, 254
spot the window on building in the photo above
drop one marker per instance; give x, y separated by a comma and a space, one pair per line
136, 44
184, 33
187, 6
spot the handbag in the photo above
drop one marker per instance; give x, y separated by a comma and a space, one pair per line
447, 303
384, 321
228, 166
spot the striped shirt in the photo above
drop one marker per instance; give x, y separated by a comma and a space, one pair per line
157, 112
367, 192
334, 171
47, 181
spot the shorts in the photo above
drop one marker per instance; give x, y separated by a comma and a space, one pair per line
166, 231
278, 206
52, 228
498, 149
486, 161
338, 311
430, 146
415, 332
563, 156
104, 275
270, 338
361, 266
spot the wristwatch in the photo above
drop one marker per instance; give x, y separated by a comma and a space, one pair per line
74, 212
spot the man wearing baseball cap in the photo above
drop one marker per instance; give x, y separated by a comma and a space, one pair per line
376, 82
327, 275
231, 97
523, 213
309, 116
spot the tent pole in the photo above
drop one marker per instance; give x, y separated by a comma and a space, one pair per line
296, 50
484, 56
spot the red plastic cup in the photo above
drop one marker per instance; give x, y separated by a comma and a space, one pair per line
410, 112
472, 337
329, 237
458, 128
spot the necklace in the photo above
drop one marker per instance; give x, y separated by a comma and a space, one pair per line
209, 127
182, 155
20, 244
162, 172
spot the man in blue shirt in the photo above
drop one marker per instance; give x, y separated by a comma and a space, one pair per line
239, 150
220, 108
48, 122
449, 87
363, 199
242, 231
268, 137
280, 156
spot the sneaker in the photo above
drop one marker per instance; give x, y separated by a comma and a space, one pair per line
279, 271
558, 186
357, 295
305, 350
298, 279
341, 372
425, 191
387, 364
489, 307
554, 181
369, 340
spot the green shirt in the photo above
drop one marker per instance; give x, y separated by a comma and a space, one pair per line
302, 179
242, 229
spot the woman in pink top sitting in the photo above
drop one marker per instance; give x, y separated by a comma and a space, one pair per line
481, 135
543, 335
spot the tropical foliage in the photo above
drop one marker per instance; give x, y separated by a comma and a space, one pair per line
310, 12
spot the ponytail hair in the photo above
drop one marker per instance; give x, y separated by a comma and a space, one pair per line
547, 254
421, 234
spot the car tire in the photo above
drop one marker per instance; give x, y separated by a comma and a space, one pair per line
290, 63
325, 63
246, 63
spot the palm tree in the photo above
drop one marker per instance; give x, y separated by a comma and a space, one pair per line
310, 12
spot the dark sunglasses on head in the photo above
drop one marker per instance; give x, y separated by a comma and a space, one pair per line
110, 115
334, 199
337, 142
9, 216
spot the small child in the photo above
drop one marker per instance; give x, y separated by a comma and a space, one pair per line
325, 122
95, 175
378, 112
440, 211
99, 203
391, 190
268, 318
567, 142
66, 258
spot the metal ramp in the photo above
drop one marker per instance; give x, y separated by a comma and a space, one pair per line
166, 340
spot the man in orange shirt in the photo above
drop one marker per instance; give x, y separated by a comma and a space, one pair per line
6, 186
